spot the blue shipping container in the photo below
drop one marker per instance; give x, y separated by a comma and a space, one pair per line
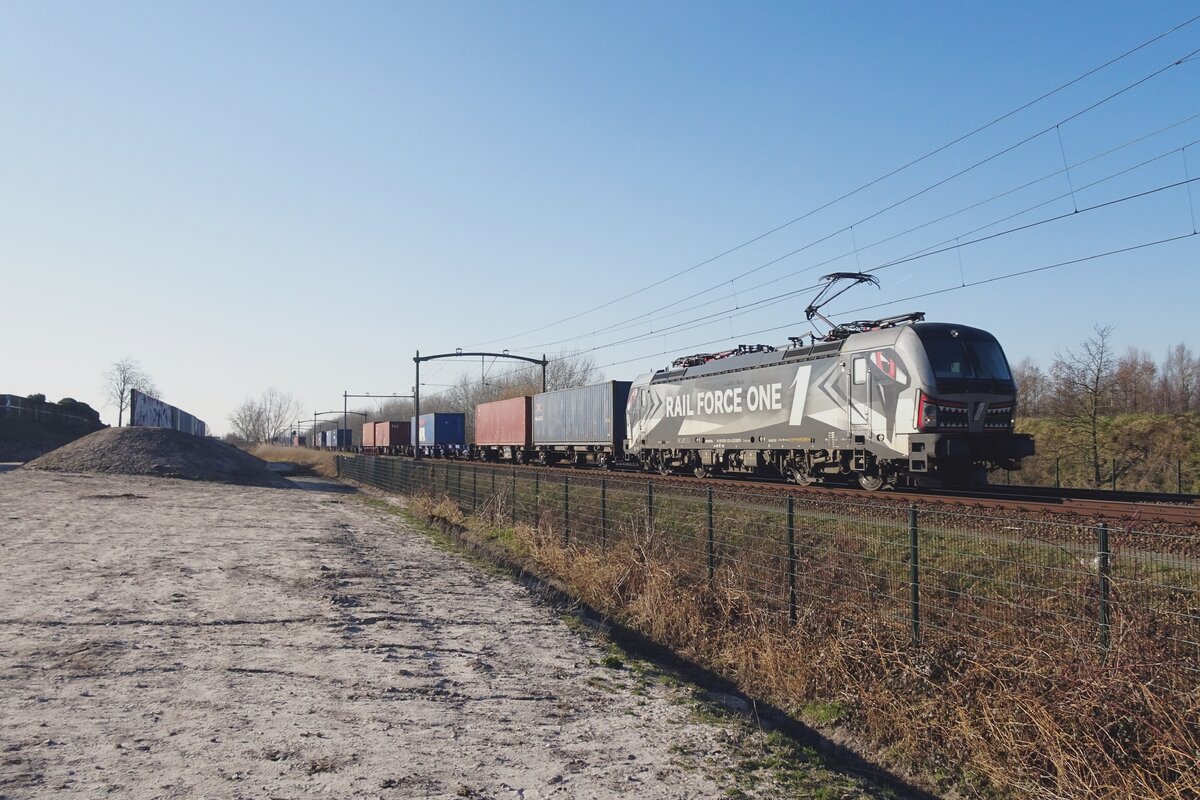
440, 430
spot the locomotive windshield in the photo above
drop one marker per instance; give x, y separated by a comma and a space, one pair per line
967, 362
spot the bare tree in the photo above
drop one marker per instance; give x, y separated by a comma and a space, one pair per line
1134, 382
279, 411
266, 418
246, 421
120, 378
1032, 388
1083, 392
1180, 387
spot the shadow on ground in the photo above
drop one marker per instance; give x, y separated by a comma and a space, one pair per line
312, 483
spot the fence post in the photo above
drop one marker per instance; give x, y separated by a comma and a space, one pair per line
914, 576
1114, 474
712, 542
791, 556
514, 495
537, 500
603, 512
649, 505
566, 510
338, 464
446, 477
1178, 477
474, 487
1057, 475
1105, 575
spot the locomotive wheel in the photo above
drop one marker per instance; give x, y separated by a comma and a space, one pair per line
663, 469
871, 482
700, 471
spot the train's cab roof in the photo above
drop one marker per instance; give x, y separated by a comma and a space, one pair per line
800, 350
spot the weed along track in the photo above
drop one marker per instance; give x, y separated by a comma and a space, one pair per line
998, 651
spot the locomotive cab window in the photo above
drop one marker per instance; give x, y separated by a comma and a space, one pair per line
860, 371
967, 361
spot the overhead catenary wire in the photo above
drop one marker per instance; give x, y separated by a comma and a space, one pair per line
993, 279
741, 308
902, 168
961, 286
919, 193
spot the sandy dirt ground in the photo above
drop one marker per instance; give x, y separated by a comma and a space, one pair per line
163, 638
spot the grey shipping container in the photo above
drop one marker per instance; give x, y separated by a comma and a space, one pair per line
589, 415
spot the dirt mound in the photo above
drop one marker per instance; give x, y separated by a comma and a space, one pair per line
160, 452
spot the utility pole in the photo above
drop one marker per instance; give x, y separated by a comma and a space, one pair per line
416, 423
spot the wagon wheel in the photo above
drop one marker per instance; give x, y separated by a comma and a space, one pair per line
544, 458
604, 461
801, 477
870, 481
700, 471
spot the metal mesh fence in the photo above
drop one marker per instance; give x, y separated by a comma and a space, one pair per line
1112, 472
932, 577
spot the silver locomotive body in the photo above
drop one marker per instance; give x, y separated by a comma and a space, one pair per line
925, 403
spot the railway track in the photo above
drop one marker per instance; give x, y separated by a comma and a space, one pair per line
1124, 508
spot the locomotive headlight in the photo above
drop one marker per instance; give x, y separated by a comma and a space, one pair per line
929, 416
926, 412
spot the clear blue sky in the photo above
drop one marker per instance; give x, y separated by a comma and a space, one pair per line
301, 195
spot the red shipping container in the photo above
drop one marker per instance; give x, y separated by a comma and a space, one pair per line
504, 422
368, 436
391, 434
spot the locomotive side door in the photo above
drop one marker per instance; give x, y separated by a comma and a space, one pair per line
860, 396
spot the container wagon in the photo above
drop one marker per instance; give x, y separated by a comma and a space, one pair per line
368, 437
442, 435
504, 430
581, 426
391, 436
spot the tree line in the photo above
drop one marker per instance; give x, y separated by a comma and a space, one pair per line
1100, 419
1129, 383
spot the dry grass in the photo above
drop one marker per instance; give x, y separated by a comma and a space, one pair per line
319, 461
1005, 713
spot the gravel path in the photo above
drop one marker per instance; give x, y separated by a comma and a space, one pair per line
165, 638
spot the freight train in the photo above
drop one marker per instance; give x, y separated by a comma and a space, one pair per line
889, 402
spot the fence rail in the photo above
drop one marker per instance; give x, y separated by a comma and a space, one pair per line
934, 578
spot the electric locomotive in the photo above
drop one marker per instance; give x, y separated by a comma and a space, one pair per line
896, 401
